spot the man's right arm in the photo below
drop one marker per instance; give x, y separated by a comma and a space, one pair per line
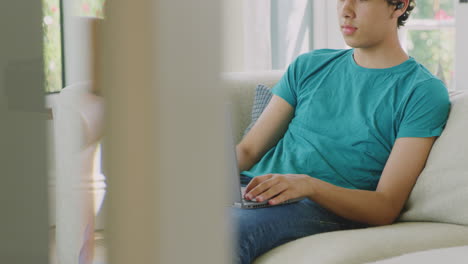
267, 131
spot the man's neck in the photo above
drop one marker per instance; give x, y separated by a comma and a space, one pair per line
380, 57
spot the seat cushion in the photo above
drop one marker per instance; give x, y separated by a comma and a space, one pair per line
366, 245
452, 255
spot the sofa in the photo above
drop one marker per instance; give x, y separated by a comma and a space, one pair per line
434, 222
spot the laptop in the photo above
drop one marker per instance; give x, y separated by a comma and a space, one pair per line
236, 190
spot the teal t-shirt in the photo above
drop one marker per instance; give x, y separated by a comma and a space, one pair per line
347, 117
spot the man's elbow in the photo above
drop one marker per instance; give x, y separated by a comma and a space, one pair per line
244, 151
387, 215
246, 157
384, 220
381, 220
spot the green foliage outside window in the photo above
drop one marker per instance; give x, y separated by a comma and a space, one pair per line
52, 45
435, 48
428, 9
53, 68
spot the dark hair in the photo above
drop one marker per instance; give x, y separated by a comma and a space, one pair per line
402, 19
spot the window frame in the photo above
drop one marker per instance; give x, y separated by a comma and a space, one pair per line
62, 43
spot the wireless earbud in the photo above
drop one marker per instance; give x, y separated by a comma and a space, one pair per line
400, 5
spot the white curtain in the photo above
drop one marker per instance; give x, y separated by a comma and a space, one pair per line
257, 35
275, 32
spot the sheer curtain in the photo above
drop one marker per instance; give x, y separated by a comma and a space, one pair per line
275, 32
257, 35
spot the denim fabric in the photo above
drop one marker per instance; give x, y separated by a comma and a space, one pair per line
260, 230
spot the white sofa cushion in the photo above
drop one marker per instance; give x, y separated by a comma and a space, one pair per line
452, 255
441, 192
366, 245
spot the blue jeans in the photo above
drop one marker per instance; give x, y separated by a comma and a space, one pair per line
259, 230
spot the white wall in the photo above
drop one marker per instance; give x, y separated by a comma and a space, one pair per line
23, 155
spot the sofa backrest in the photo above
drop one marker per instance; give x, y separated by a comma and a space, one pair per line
241, 90
441, 192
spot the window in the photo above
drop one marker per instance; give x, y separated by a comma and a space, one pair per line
52, 45
429, 37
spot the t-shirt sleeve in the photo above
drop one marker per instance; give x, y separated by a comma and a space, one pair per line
426, 111
286, 88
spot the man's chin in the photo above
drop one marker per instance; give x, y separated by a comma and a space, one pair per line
354, 44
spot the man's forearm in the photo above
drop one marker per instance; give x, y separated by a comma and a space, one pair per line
363, 206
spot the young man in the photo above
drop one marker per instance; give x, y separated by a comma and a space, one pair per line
350, 130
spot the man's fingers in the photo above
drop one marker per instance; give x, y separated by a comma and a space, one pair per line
284, 196
256, 181
265, 182
276, 188
260, 188
272, 191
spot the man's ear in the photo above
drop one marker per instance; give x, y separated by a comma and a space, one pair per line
400, 8
400, 5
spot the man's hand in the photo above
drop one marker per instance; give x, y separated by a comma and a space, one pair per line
282, 187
